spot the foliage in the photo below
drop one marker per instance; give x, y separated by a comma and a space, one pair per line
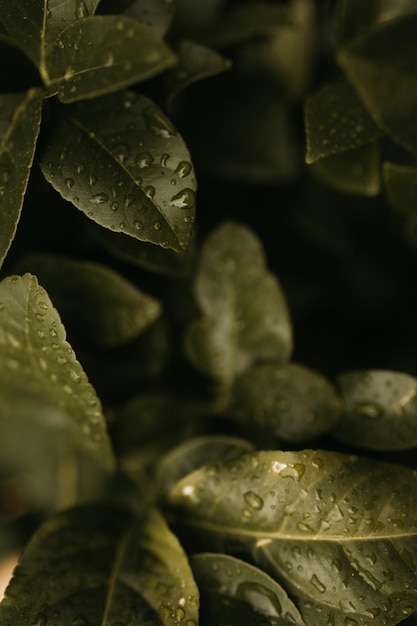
208, 387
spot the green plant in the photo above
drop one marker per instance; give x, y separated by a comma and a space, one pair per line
231, 451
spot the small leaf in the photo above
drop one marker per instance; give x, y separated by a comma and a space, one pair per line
289, 402
381, 68
356, 171
336, 121
39, 370
339, 532
97, 565
19, 128
120, 161
379, 410
245, 315
102, 307
221, 578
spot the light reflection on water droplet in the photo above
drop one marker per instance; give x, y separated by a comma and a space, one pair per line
185, 199
99, 198
253, 500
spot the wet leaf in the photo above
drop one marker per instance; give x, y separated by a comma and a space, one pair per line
379, 410
40, 377
339, 532
356, 171
244, 312
288, 402
110, 568
381, 68
221, 578
19, 128
336, 121
122, 163
101, 306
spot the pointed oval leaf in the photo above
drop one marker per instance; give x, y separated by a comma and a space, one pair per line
100, 305
336, 121
400, 184
380, 67
39, 368
245, 315
288, 402
379, 410
97, 565
120, 161
338, 531
19, 129
221, 577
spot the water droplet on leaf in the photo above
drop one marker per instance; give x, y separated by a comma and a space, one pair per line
253, 500
185, 199
99, 198
183, 169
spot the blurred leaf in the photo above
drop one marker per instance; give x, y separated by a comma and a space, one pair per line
400, 185
339, 532
379, 410
100, 305
191, 18
288, 402
381, 68
221, 577
244, 313
19, 128
121, 162
96, 565
336, 121
356, 171
157, 14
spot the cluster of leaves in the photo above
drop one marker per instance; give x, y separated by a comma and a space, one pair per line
199, 467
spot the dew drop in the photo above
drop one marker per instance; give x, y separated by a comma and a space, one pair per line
144, 159
122, 225
157, 225
138, 225
179, 614
108, 58
43, 305
81, 10
316, 582
370, 410
114, 206
261, 597
164, 159
253, 500
53, 332
149, 191
99, 198
185, 199
157, 122
69, 182
129, 200
183, 169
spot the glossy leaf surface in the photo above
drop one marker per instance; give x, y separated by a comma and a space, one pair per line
102, 307
245, 315
381, 67
338, 531
221, 578
379, 410
289, 402
110, 568
39, 371
121, 161
19, 128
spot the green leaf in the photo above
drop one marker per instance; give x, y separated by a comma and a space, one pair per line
381, 68
221, 578
244, 313
336, 121
400, 184
101, 306
121, 162
379, 410
356, 171
288, 402
157, 14
19, 128
40, 378
339, 532
97, 565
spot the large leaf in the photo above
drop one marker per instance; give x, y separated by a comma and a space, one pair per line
97, 565
19, 128
222, 579
338, 531
379, 410
101, 306
121, 161
381, 67
43, 387
245, 316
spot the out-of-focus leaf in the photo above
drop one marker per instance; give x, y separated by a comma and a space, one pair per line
221, 577
339, 532
381, 67
19, 128
287, 402
122, 162
356, 171
244, 313
157, 14
195, 453
400, 185
191, 19
380, 410
97, 565
101, 306
336, 121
